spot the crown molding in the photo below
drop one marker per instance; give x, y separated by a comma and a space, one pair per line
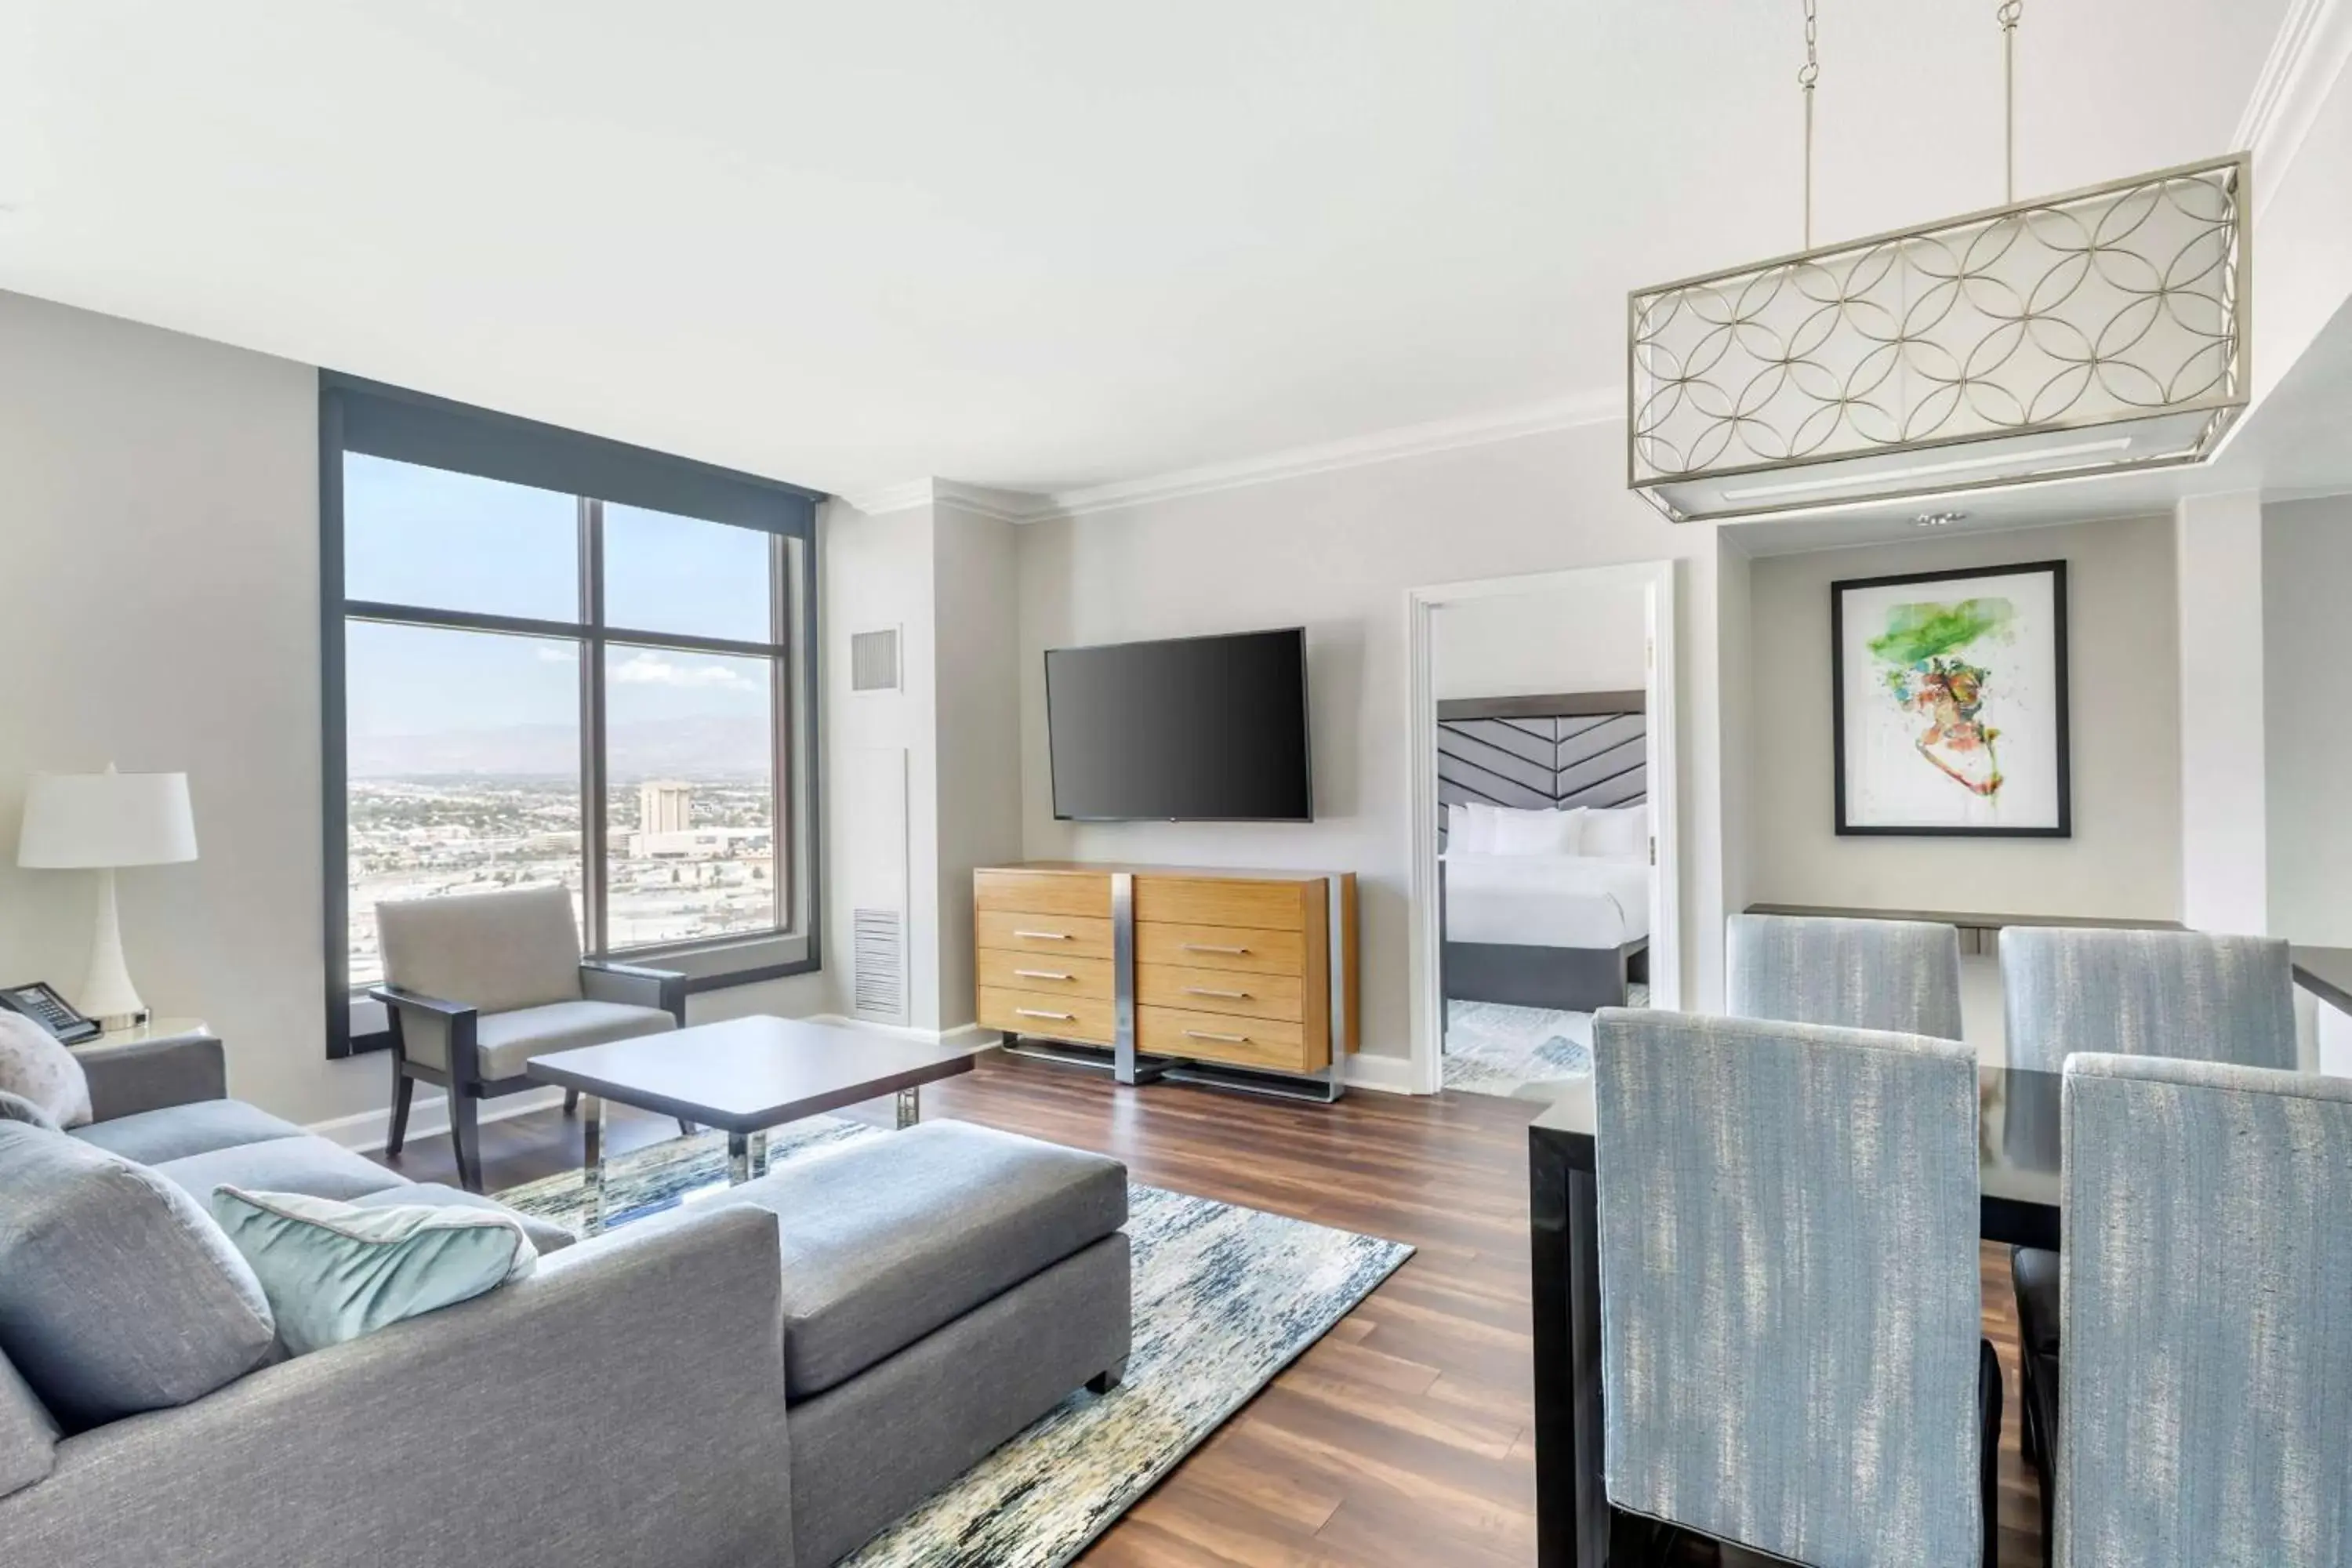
2306, 56
1270, 468
1355, 451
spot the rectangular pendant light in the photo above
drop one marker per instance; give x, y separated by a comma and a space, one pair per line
2100, 330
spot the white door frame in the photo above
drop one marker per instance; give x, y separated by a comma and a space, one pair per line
1657, 579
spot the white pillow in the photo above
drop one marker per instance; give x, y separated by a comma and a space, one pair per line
1624, 831
1462, 831
1538, 832
35, 1067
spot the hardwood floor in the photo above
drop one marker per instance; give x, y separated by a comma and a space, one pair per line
1405, 1436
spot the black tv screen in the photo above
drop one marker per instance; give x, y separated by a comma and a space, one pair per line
1205, 729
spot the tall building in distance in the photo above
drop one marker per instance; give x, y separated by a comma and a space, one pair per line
664, 805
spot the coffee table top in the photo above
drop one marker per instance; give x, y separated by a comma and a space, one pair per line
747, 1075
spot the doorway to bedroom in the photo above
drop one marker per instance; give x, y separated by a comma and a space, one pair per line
1543, 885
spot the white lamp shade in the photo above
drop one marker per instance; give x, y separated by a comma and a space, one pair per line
78, 821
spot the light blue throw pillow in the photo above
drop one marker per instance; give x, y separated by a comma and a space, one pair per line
333, 1271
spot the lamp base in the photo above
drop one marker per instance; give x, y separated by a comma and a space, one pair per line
107, 993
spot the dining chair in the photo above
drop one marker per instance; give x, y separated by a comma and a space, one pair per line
2208, 1377
1903, 975
1791, 1356
2188, 995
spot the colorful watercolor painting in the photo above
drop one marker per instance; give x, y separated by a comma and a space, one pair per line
1950, 698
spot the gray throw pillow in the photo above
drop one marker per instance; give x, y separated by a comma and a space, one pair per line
34, 1066
16, 1107
117, 1294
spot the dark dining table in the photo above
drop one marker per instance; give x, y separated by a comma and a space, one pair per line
2017, 1174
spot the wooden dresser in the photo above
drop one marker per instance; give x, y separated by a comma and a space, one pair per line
1175, 971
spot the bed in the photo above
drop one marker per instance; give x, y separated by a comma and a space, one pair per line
1536, 921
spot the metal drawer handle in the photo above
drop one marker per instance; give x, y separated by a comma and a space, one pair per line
1221, 1039
1043, 974
1040, 1012
1047, 935
1205, 991
1205, 947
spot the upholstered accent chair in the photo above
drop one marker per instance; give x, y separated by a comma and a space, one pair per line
1789, 1313
478, 983
1903, 975
2185, 996
2205, 1419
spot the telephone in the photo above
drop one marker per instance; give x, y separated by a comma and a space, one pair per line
42, 1004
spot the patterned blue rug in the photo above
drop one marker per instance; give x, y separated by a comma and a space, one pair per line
1224, 1297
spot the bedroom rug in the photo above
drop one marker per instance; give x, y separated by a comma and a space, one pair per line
1225, 1297
1524, 1051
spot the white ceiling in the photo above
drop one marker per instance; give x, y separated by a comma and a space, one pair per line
1038, 245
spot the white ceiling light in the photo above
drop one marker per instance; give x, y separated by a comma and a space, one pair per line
2101, 330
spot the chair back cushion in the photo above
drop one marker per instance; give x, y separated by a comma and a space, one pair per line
1788, 1284
493, 952
117, 1294
1903, 975
2188, 995
2205, 1379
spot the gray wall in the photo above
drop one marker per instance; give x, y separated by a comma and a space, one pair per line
2306, 629
1336, 552
2124, 860
159, 502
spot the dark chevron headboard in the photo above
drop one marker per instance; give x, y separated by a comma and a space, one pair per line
1572, 749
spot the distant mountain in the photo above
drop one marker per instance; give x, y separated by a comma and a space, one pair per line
697, 747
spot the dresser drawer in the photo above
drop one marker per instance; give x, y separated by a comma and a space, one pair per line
1061, 936
1207, 902
1062, 1018
1222, 947
1271, 1043
1057, 972
1219, 991
1083, 893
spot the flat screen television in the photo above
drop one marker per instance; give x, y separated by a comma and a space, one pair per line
1208, 728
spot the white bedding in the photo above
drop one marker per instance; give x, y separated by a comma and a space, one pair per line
1546, 901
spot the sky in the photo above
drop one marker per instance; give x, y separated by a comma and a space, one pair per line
423, 536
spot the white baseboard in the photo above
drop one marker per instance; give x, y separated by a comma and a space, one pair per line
427, 1118
1385, 1075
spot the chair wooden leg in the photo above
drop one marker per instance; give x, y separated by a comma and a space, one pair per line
465, 1135
571, 1102
403, 1089
1988, 1415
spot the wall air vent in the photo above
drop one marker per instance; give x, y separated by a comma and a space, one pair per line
874, 660
878, 965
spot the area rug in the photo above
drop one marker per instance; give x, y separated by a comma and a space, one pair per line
1225, 1297
1529, 1052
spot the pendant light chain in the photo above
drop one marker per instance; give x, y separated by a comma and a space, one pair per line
1805, 79
2007, 14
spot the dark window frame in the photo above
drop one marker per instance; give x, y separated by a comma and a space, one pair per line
367, 417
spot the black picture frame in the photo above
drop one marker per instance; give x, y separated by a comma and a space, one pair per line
2056, 572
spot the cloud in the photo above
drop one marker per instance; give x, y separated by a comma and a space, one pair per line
653, 670
548, 654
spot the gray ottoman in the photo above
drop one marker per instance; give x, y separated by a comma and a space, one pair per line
944, 1287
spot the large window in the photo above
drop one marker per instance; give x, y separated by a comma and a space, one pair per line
561, 661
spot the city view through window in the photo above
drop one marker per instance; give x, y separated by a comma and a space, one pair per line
463, 745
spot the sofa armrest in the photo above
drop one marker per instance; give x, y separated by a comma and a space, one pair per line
148, 1075
601, 979
623, 1406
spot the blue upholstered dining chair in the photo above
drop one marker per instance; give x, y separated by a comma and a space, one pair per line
1903, 975
2172, 993
2206, 1418
1790, 1359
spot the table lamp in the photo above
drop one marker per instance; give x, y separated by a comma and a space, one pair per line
99, 822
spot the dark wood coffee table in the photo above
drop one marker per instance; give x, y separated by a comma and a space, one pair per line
744, 1077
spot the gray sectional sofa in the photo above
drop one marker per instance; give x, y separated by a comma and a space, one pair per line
766, 1378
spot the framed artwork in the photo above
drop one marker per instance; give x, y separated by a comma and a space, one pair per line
1948, 693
